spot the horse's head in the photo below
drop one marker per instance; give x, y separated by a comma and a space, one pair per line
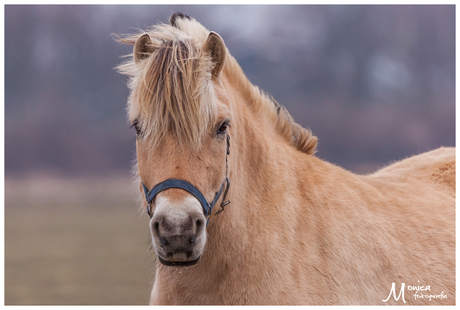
185, 89
182, 121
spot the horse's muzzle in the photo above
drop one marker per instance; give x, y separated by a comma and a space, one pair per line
179, 240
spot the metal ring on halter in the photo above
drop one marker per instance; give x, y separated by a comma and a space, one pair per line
224, 203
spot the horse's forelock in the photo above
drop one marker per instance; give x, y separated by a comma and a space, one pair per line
171, 89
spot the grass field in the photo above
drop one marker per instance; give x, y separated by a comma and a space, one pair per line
75, 242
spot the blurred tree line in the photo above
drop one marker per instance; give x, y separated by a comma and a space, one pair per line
374, 83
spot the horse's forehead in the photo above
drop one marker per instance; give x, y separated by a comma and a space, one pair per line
223, 100
170, 151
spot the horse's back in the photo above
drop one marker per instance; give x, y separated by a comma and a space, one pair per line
414, 200
436, 168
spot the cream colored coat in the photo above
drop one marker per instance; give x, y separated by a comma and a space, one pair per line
298, 230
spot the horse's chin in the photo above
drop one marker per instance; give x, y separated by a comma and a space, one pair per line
179, 264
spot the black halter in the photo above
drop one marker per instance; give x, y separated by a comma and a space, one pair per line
176, 183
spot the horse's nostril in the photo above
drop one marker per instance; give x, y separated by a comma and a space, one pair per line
156, 225
198, 223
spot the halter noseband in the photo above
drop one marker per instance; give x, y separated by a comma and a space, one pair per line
176, 183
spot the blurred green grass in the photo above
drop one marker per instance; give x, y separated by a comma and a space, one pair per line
75, 242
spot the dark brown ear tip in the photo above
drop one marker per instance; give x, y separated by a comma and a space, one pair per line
142, 49
214, 38
175, 16
144, 38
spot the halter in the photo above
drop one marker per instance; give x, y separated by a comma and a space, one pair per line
177, 183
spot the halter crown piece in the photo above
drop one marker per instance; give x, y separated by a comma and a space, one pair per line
177, 183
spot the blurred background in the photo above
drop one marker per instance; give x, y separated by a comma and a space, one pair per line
375, 84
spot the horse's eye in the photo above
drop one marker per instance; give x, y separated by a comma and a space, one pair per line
223, 128
136, 126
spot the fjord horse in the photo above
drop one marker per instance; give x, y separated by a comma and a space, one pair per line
293, 229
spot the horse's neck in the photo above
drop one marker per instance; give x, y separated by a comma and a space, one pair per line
262, 170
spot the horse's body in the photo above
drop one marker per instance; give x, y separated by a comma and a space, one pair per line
298, 230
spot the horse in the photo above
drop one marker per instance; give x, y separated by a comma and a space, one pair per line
241, 210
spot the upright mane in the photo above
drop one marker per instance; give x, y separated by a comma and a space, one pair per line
172, 85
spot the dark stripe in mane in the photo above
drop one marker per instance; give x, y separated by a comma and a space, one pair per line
301, 138
172, 19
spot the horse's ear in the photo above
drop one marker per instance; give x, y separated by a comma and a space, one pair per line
215, 46
142, 48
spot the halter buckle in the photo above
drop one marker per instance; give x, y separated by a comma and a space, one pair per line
224, 203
